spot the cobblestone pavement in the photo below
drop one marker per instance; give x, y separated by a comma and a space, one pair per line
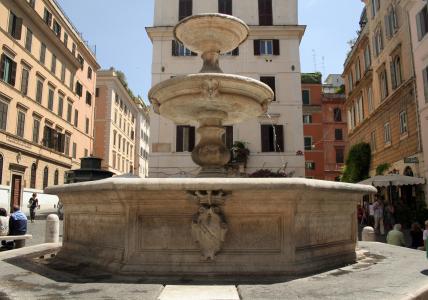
37, 229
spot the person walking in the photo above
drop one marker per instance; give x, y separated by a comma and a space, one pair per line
4, 222
378, 216
396, 237
33, 203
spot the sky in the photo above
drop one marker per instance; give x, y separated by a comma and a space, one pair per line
117, 29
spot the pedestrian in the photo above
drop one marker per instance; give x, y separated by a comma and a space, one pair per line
417, 236
33, 203
17, 225
378, 216
371, 214
389, 216
4, 222
425, 237
395, 237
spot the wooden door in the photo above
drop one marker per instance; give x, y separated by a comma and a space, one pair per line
16, 191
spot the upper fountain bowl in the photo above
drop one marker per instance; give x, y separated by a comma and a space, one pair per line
211, 33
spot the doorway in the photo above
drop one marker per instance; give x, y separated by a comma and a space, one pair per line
16, 191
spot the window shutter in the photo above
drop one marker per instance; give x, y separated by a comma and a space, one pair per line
13, 73
235, 52
387, 26
265, 137
174, 48
191, 138
257, 47
393, 75
2, 63
425, 75
18, 28
276, 50
279, 130
419, 25
179, 139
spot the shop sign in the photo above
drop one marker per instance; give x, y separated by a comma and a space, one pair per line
411, 160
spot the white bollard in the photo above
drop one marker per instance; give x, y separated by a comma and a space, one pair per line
368, 234
52, 229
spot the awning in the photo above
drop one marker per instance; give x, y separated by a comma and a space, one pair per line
395, 180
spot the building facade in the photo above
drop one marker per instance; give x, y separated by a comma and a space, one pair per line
271, 54
381, 92
332, 83
47, 87
418, 19
120, 119
335, 135
313, 128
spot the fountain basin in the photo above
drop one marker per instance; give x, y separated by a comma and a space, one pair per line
287, 227
185, 99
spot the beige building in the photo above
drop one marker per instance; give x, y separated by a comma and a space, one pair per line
47, 88
380, 88
418, 18
120, 120
271, 54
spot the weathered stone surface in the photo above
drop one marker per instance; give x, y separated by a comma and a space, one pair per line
199, 292
282, 227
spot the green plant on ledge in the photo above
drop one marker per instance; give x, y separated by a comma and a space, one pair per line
381, 169
357, 165
240, 152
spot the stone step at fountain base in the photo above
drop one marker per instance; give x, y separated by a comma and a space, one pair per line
199, 292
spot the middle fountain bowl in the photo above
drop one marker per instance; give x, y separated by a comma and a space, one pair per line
210, 98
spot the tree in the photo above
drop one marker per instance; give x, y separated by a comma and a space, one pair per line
357, 165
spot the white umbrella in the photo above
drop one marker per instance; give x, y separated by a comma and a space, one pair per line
393, 180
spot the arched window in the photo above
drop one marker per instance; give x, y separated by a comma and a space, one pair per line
337, 115
56, 177
45, 177
408, 171
396, 71
33, 176
1, 169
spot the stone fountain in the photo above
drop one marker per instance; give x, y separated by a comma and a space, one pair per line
210, 225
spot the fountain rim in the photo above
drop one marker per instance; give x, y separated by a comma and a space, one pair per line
197, 184
213, 15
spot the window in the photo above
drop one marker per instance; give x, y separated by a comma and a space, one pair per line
185, 8
340, 155
42, 53
89, 73
50, 99
66, 39
337, 115
185, 141
63, 72
81, 61
227, 137
3, 115
357, 70
57, 29
114, 138
32, 3
7, 70
308, 143
306, 97
47, 17
373, 141
76, 118
74, 151
272, 138
15, 26
179, 50
79, 89
391, 22
265, 13
307, 119
67, 145
60, 105
114, 160
36, 131
85, 152
383, 84
45, 177
396, 72
87, 126
269, 81
71, 81
39, 90
375, 7
33, 176
20, 127
88, 98
69, 111
266, 47
97, 92
378, 41
24, 81
29, 40
73, 49
56, 177
370, 99
1, 168
338, 134
387, 133
422, 22
225, 7
53, 139
310, 165
350, 82
53, 64
367, 57
403, 122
